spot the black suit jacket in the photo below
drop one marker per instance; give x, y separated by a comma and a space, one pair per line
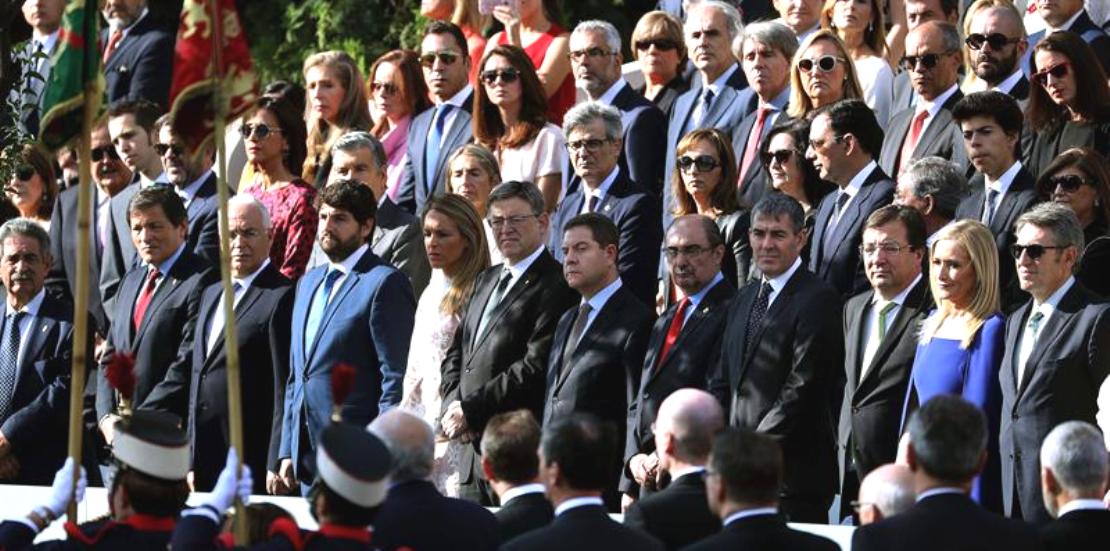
945, 521
786, 384
1020, 197
204, 229
197, 380
764, 532
679, 515
941, 138
415, 516
504, 368
523, 514
842, 267
1069, 361
141, 67
1080, 529
582, 529
754, 183
61, 280
636, 215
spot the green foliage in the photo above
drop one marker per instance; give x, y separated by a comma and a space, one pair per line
13, 136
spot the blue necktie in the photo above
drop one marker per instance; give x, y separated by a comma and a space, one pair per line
9, 363
435, 141
319, 303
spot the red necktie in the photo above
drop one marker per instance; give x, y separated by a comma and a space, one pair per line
144, 297
113, 41
752, 147
911, 141
673, 331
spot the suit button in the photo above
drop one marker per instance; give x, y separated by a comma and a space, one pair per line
203, 406
647, 396
855, 410
468, 370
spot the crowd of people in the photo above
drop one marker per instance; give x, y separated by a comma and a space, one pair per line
838, 266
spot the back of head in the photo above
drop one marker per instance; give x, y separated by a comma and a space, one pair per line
749, 465
509, 445
411, 442
889, 489
579, 444
948, 436
692, 418
1076, 454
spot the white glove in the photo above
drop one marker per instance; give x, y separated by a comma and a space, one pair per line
230, 484
61, 490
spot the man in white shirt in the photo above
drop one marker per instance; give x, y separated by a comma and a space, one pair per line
1074, 474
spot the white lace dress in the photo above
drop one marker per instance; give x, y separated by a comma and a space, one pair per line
431, 336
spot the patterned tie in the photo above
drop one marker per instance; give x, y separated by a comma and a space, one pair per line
495, 299
672, 331
989, 208
435, 141
113, 41
752, 148
319, 304
216, 325
758, 310
9, 363
576, 331
911, 140
1025, 350
145, 295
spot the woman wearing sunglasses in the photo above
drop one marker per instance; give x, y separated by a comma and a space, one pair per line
861, 24
821, 74
660, 50
335, 104
1080, 179
532, 25
466, 16
510, 120
274, 134
397, 93
1069, 102
32, 187
790, 172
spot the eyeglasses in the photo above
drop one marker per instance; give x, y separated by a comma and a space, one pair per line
928, 61
591, 145
888, 247
507, 76
703, 163
782, 156
661, 44
163, 148
824, 63
819, 143
996, 41
385, 88
511, 221
689, 251
260, 131
579, 55
99, 153
1058, 71
1068, 182
445, 57
1035, 252
24, 173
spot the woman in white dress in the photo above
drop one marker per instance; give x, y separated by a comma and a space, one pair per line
472, 172
456, 248
861, 25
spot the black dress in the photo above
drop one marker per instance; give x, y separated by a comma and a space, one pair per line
666, 97
1056, 138
1095, 263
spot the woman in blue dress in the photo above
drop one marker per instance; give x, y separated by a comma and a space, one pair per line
961, 342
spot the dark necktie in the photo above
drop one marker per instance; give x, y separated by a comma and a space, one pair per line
435, 141
217, 322
706, 104
591, 203
9, 363
989, 208
673, 331
830, 230
756, 316
495, 299
576, 331
145, 295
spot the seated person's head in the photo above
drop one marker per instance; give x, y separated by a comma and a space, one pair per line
948, 441
509, 445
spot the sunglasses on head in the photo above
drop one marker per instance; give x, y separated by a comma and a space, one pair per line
703, 163
24, 173
996, 41
824, 63
260, 131
927, 61
506, 75
782, 156
661, 44
1068, 182
385, 88
1034, 251
163, 148
1058, 71
445, 58
99, 153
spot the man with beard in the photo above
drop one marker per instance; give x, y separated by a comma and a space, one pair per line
995, 45
356, 310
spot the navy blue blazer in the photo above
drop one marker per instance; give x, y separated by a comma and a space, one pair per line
584, 528
414, 506
61, 280
368, 325
141, 67
1083, 26
636, 214
204, 218
416, 184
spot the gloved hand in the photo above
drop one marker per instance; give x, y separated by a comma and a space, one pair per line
230, 484
61, 490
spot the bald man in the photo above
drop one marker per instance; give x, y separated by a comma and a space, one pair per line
884, 492
688, 421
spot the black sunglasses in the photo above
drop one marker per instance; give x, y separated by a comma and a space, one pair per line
1034, 251
162, 149
260, 131
1058, 71
98, 154
444, 57
1067, 182
928, 61
661, 44
782, 156
24, 173
506, 75
386, 88
704, 163
824, 63
996, 41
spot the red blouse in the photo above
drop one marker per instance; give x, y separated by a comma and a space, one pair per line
294, 221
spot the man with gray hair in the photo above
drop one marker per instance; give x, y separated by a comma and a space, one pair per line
594, 142
414, 514
1074, 471
1056, 352
595, 60
934, 187
884, 492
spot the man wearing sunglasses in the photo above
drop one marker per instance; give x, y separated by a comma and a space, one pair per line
919, 12
1056, 352
195, 182
1068, 15
438, 132
995, 46
595, 62
933, 60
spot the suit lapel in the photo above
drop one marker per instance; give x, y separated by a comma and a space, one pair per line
523, 283
454, 135
478, 305
250, 296
1005, 212
820, 225
165, 289
1070, 306
719, 107
910, 308
301, 309
349, 282
854, 342
40, 328
1013, 335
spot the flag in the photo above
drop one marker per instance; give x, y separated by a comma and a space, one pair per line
76, 68
199, 70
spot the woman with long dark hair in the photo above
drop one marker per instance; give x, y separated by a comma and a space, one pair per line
533, 26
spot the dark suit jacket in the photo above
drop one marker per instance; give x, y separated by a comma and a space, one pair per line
942, 137
665, 98
119, 252
504, 368
415, 516
737, 264
168, 324
1020, 197
524, 514
679, 515
204, 229
754, 183
1083, 26
583, 529
36, 422
635, 214
399, 240
945, 521
141, 67
785, 386
197, 380
764, 532
843, 266
1062, 376
61, 280
416, 184
1080, 529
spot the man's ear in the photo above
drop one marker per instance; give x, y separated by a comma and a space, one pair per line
487, 469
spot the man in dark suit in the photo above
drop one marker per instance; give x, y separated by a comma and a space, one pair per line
45, 20
137, 53
947, 450
158, 301
497, 361
1071, 16
595, 60
779, 372
197, 380
743, 480
1056, 355
685, 342
356, 310
997, 61
574, 479
679, 515
1074, 474
438, 132
934, 187
414, 515
1002, 189
35, 359
843, 139
880, 339
195, 182
511, 466
598, 349
933, 59
594, 140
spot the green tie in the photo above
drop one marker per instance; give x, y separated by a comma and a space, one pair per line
882, 319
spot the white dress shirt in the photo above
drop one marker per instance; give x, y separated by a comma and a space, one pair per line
575, 502
1002, 185
871, 324
1028, 339
780, 281
217, 326
933, 107
750, 513
517, 491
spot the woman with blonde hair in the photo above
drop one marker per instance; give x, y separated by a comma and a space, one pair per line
335, 104
456, 249
961, 342
821, 74
472, 172
861, 24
